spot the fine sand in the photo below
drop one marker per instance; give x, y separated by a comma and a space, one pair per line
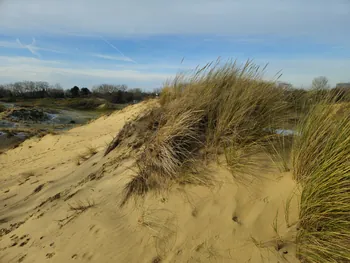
54, 210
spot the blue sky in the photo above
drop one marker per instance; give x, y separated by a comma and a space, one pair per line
144, 43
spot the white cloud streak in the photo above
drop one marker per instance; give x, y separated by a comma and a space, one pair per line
108, 57
118, 50
30, 47
52, 71
17, 60
33, 48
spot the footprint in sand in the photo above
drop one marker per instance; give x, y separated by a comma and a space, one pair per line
94, 229
40, 215
87, 256
21, 258
25, 242
22, 240
236, 219
157, 259
23, 237
50, 255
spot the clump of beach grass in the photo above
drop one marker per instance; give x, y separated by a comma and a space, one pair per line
218, 108
321, 162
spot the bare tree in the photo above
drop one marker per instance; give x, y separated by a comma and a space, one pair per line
108, 88
320, 83
56, 91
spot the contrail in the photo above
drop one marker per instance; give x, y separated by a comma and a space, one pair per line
30, 47
115, 48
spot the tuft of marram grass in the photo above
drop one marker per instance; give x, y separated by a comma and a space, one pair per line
321, 161
89, 152
236, 102
217, 107
167, 153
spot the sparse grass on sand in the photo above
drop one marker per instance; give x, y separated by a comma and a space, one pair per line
86, 155
218, 108
321, 164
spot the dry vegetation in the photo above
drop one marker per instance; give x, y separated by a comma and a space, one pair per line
2, 108
86, 155
321, 165
219, 118
231, 112
216, 109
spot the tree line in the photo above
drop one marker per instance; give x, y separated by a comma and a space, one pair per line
40, 89
320, 89
122, 94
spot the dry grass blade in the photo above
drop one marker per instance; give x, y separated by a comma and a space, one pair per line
279, 149
81, 206
78, 208
161, 224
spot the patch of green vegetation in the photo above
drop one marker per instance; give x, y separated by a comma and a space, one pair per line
73, 103
2, 108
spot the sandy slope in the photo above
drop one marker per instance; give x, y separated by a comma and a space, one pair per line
44, 213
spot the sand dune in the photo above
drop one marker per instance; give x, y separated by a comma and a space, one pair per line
54, 210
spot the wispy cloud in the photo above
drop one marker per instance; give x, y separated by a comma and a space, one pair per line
33, 69
33, 47
115, 48
295, 71
20, 60
30, 47
9, 44
108, 57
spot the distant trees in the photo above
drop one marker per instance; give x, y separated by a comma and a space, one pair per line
56, 91
75, 91
137, 94
320, 83
32, 90
4, 92
109, 88
25, 89
39, 89
119, 93
319, 89
85, 92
